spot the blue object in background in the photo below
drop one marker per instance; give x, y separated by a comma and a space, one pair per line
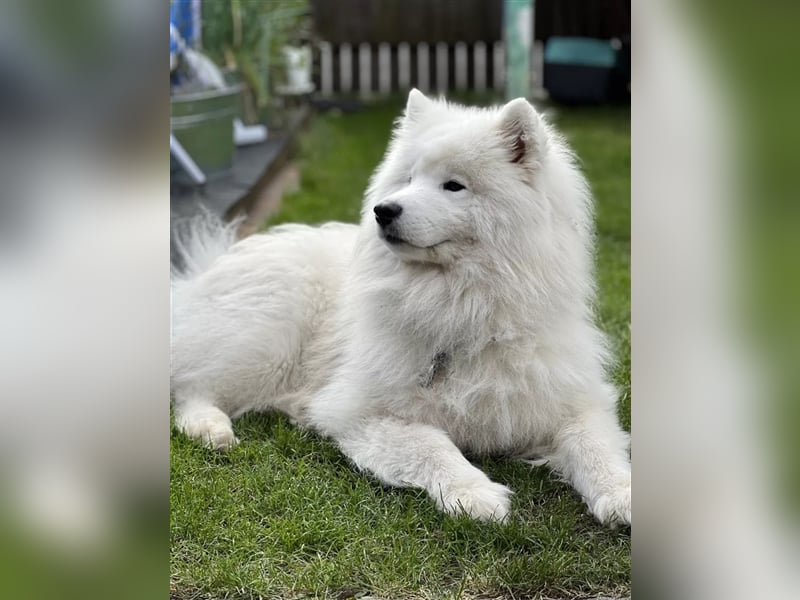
184, 31
185, 16
176, 43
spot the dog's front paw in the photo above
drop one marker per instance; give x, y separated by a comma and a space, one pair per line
479, 499
220, 438
213, 430
613, 508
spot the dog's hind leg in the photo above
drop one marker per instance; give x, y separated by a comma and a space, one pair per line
198, 417
417, 455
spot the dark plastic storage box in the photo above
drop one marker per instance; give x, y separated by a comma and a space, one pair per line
579, 70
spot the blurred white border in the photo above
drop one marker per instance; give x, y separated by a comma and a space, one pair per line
707, 526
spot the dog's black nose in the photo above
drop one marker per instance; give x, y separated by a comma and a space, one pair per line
386, 213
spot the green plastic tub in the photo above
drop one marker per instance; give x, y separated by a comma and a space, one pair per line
203, 124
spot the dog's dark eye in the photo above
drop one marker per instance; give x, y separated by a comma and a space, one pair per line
453, 186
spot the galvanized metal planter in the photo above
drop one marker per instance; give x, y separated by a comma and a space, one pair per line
203, 123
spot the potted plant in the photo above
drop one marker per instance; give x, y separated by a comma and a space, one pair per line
298, 68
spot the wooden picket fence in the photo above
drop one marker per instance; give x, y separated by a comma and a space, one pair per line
381, 69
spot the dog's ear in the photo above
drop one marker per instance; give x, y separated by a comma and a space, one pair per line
418, 103
523, 132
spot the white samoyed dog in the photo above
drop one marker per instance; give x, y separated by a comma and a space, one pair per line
456, 318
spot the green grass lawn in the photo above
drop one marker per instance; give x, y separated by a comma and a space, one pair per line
284, 515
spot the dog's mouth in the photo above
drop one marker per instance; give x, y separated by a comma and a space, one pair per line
395, 240
389, 235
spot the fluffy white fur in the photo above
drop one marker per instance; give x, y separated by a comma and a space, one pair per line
465, 325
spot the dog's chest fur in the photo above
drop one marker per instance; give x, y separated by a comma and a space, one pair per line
485, 399
469, 374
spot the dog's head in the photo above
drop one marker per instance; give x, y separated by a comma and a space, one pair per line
456, 177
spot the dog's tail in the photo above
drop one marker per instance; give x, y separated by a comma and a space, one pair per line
197, 242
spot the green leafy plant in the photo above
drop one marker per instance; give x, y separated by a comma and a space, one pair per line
247, 36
